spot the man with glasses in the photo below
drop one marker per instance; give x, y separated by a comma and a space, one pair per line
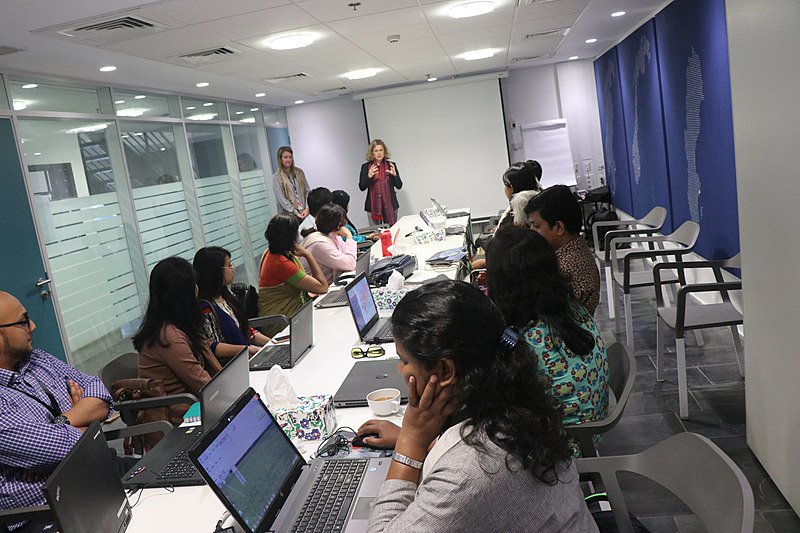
45, 404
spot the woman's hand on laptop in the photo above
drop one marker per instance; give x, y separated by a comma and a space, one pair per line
383, 434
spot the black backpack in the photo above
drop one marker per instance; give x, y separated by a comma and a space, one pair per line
601, 214
247, 295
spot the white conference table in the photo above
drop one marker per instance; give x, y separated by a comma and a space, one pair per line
321, 371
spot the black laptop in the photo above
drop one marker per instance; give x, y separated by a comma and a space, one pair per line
371, 328
266, 485
84, 492
167, 464
367, 376
339, 298
301, 338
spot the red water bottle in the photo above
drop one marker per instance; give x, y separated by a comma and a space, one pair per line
386, 241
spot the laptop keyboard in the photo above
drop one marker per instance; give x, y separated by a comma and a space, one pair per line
335, 297
384, 331
278, 355
180, 467
329, 501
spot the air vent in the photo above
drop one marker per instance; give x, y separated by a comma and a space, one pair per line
546, 34
281, 79
109, 28
530, 2
8, 50
530, 58
334, 90
204, 57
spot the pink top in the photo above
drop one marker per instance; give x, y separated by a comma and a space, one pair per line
333, 254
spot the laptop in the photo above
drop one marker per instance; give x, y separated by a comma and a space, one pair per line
301, 338
85, 492
338, 298
367, 376
371, 328
167, 464
266, 485
444, 212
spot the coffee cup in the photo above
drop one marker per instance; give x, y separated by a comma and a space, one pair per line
384, 402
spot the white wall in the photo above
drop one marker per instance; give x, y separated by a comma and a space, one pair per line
766, 130
329, 140
564, 90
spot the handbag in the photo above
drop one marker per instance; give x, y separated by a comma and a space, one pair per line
248, 298
135, 389
380, 271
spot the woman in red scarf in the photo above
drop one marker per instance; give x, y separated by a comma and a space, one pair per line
379, 177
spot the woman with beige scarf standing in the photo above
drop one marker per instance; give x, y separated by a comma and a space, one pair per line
290, 185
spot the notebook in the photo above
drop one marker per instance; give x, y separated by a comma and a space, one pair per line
167, 464
371, 328
367, 376
301, 338
265, 484
85, 492
339, 298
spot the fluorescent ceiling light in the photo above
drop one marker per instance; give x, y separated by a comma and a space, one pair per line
433, 79
37, 153
239, 113
361, 74
617, 13
30, 86
202, 116
474, 55
138, 134
19, 105
591, 41
471, 9
163, 149
88, 129
299, 101
253, 109
135, 112
208, 104
191, 107
119, 101
139, 97
109, 68
259, 95
290, 42
248, 120
573, 58
202, 84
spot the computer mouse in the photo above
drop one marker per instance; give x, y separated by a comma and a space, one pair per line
358, 440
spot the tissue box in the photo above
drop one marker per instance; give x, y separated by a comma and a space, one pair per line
313, 419
386, 299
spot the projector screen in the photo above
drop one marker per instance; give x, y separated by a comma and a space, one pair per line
448, 142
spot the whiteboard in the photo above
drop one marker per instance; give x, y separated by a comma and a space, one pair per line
548, 143
449, 143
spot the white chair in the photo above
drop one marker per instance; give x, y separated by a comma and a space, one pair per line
650, 224
677, 244
685, 316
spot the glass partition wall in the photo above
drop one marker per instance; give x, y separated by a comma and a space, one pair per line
120, 179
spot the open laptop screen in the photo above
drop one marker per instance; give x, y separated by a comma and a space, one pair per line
218, 395
361, 303
249, 461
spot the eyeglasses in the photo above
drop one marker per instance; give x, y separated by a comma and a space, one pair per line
26, 321
372, 351
232, 267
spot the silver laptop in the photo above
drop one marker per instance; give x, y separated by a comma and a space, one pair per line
338, 298
301, 338
444, 213
371, 328
266, 485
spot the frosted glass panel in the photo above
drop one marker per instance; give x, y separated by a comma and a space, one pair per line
253, 181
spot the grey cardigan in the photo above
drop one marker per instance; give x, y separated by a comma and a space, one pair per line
469, 490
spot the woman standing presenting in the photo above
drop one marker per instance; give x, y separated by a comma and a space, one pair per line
290, 185
379, 177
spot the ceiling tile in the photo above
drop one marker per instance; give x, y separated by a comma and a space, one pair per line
330, 10
351, 57
377, 38
168, 43
327, 43
389, 20
402, 47
196, 11
465, 67
257, 62
264, 22
443, 24
478, 36
540, 10
424, 59
526, 27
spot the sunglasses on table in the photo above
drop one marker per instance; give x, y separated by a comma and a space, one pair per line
372, 351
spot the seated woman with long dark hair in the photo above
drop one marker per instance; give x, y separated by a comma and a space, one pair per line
500, 460
331, 243
171, 341
526, 283
283, 285
224, 319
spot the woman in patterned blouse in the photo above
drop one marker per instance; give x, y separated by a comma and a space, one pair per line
526, 284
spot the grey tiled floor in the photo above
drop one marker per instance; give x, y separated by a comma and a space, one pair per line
716, 410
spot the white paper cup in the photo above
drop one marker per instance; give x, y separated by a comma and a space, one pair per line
384, 402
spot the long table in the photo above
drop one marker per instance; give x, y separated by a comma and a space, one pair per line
320, 371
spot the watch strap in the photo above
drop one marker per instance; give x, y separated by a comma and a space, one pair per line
408, 461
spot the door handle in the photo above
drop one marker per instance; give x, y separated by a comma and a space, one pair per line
42, 281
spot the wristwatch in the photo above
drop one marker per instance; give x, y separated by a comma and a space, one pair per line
408, 461
61, 419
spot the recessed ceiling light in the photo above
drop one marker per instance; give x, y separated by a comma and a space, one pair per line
138, 134
432, 79
19, 105
139, 97
125, 136
617, 13
471, 9
248, 120
109, 68
37, 153
202, 84
119, 101
299, 101
254, 109
239, 113
362, 73
30, 86
208, 104
590, 41
130, 112
289, 42
163, 149
202, 116
474, 55
573, 58
191, 107
259, 95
